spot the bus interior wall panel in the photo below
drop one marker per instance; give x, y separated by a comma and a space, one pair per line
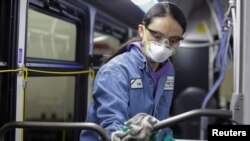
119, 10
8, 45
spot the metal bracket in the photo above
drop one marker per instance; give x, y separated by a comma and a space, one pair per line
237, 107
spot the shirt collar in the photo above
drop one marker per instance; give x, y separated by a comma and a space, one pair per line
138, 47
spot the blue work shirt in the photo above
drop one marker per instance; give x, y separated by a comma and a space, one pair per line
124, 87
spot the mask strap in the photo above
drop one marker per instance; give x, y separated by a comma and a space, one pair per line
174, 52
146, 39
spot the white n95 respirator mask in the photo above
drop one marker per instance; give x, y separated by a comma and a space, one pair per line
158, 52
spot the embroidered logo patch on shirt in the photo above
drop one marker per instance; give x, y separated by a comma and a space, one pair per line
136, 83
169, 85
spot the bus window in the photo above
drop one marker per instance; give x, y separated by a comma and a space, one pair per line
105, 44
55, 43
50, 98
50, 38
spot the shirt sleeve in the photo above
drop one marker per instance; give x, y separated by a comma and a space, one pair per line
111, 96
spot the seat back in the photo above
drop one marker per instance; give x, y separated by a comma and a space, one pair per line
189, 99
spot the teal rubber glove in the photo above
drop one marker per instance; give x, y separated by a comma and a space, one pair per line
168, 138
153, 137
165, 138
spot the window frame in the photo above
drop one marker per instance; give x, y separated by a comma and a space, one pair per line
80, 18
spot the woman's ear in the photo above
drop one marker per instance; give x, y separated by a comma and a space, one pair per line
141, 30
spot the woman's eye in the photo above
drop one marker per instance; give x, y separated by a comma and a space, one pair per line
174, 40
157, 36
